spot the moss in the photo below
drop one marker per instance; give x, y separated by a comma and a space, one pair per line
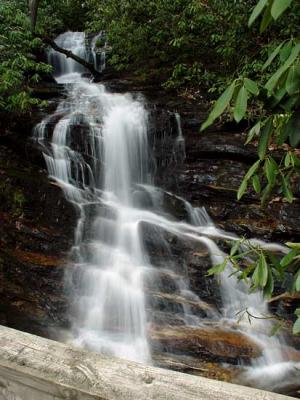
12, 200
100, 42
18, 202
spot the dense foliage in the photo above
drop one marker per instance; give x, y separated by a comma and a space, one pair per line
18, 66
183, 42
277, 133
22, 61
186, 42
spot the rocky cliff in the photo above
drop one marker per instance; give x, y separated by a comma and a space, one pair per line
37, 227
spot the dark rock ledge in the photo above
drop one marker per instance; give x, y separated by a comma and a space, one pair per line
37, 227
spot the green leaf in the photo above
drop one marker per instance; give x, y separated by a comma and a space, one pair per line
295, 160
256, 183
260, 274
268, 290
220, 106
217, 269
286, 189
284, 133
290, 103
254, 131
257, 11
251, 86
235, 248
286, 51
288, 258
292, 245
279, 274
276, 328
266, 19
240, 107
275, 261
264, 138
297, 283
242, 189
279, 6
291, 130
296, 327
292, 83
265, 194
272, 82
252, 170
278, 96
272, 56
287, 160
271, 168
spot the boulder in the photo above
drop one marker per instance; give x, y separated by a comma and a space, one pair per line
205, 343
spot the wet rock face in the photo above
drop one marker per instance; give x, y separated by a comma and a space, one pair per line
210, 175
174, 259
37, 227
207, 343
162, 134
36, 232
196, 366
31, 294
167, 154
215, 163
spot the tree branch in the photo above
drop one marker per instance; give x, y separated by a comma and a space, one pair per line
90, 67
285, 296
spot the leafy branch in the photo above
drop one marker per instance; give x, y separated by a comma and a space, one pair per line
260, 269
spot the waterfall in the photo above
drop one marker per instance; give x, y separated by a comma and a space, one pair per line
66, 69
180, 142
98, 51
96, 148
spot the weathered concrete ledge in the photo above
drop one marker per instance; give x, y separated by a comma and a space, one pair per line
34, 368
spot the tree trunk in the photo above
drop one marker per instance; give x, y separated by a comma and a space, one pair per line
33, 11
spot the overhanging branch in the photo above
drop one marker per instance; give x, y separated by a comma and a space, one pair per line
90, 67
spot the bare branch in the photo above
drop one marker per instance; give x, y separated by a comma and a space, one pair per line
90, 67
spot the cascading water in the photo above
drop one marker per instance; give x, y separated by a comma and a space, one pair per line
98, 51
67, 70
180, 139
96, 147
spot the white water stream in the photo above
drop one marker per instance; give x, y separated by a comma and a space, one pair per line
104, 174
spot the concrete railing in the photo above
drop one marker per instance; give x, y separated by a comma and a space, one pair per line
34, 368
